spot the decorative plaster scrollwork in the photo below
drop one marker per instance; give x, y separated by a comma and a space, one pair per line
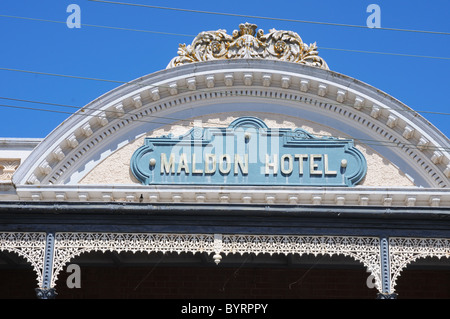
403, 251
7, 168
247, 43
31, 246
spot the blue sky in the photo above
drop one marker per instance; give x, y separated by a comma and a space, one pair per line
421, 83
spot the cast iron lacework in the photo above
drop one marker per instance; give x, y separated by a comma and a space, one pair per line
247, 43
70, 245
363, 249
31, 246
403, 251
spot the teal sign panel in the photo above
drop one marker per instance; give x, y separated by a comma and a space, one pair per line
248, 153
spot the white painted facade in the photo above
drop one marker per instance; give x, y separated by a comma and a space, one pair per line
87, 158
76, 160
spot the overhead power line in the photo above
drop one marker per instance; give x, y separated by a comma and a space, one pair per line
266, 18
61, 75
78, 114
99, 26
386, 53
138, 84
193, 36
370, 142
199, 90
82, 109
150, 86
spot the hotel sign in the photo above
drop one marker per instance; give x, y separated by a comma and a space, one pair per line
248, 153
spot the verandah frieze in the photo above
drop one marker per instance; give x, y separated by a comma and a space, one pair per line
363, 249
402, 251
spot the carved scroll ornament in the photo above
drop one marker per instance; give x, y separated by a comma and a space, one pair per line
247, 43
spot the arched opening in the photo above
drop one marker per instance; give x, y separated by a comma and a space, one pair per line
426, 278
196, 276
17, 277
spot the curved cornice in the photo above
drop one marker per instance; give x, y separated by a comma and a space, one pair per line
164, 97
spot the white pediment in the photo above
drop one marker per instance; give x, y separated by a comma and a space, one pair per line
285, 93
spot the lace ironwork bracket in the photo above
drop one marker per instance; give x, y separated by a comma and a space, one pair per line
31, 246
404, 251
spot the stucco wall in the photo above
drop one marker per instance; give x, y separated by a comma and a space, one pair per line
116, 168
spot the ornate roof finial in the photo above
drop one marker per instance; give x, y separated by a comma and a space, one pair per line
246, 43
247, 28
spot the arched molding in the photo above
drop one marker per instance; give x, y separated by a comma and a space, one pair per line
363, 249
31, 246
404, 251
326, 97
